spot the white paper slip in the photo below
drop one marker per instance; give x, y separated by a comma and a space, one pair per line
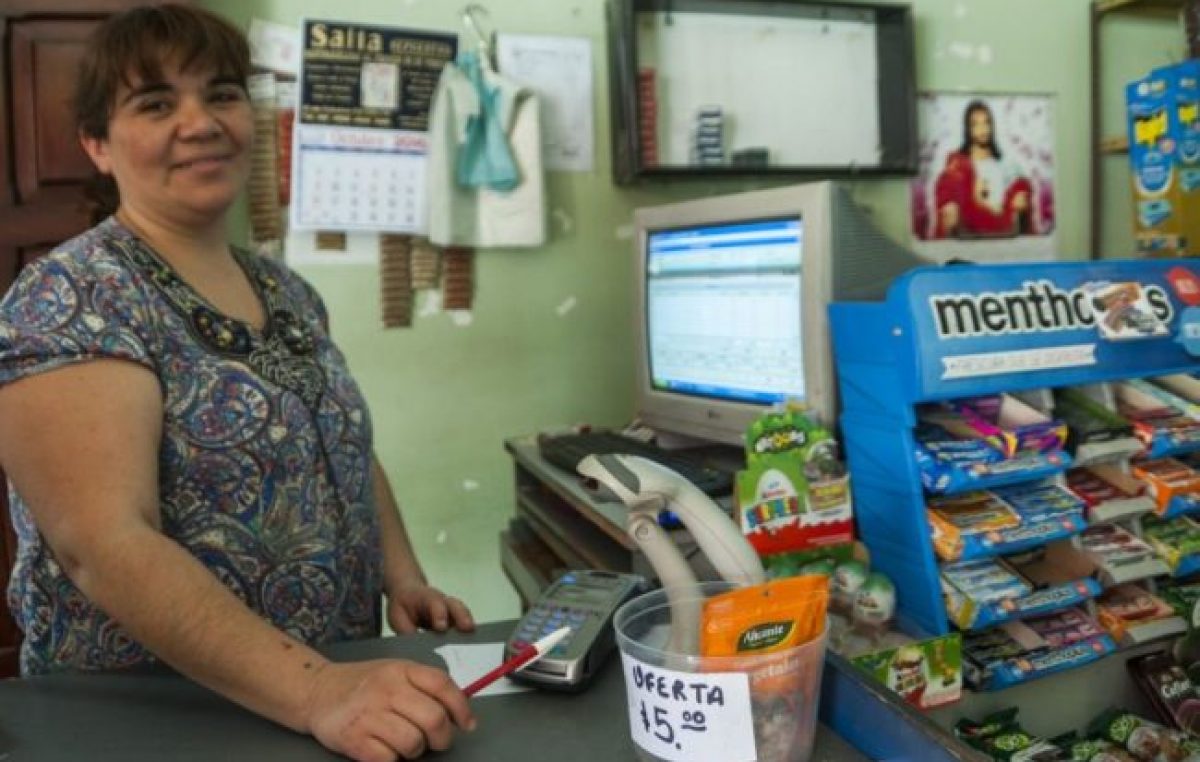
471, 661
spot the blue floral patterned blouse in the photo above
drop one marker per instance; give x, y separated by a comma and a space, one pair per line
265, 460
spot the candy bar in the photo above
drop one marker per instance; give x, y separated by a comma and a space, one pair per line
1065, 628
1146, 740
1115, 546
1167, 479
1040, 502
1169, 690
1182, 598
974, 512
986, 581
1173, 540
1091, 749
1001, 738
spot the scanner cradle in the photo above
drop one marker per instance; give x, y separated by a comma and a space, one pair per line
646, 488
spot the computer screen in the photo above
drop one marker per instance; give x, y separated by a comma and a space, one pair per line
731, 302
723, 306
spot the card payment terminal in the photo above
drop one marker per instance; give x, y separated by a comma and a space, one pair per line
585, 601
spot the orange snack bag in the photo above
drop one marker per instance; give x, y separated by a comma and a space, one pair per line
773, 616
755, 621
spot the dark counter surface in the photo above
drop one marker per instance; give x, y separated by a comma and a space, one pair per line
161, 716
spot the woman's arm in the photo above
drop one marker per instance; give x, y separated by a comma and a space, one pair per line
412, 603
81, 446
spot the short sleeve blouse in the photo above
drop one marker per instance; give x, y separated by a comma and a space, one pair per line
265, 458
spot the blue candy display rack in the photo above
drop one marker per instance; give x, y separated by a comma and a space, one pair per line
963, 331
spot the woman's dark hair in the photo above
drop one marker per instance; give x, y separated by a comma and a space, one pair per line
972, 108
136, 43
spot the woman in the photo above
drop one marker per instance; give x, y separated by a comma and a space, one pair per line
978, 194
190, 461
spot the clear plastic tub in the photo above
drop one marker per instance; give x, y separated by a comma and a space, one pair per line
666, 709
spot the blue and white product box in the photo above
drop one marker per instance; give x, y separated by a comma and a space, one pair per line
1163, 117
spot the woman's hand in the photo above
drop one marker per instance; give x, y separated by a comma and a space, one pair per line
416, 605
380, 711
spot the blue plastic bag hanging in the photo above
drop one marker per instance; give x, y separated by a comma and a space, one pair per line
484, 158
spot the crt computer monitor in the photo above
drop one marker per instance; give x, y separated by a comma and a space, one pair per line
732, 293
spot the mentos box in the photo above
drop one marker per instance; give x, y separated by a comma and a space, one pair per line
1164, 148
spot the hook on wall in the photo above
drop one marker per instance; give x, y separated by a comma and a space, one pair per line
478, 21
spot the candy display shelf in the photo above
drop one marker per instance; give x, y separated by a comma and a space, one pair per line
957, 333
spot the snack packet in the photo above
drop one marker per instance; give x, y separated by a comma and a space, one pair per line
1091, 749
1170, 691
773, 616
761, 628
1001, 738
1146, 740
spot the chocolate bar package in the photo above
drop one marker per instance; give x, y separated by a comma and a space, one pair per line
1170, 691
1000, 737
954, 520
1167, 478
944, 447
1040, 501
1088, 420
1091, 749
990, 646
1129, 609
1182, 597
987, 580
1147, 741
1113, 547
974, 512
1065, 628
1094, 490
1173, 540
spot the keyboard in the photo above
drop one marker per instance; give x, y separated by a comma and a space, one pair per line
566, 450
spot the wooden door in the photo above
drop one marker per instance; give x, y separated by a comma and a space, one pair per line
43, 171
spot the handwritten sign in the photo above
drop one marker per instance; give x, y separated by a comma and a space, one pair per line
689, 716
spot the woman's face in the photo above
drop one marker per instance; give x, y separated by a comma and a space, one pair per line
178, 149
981, 127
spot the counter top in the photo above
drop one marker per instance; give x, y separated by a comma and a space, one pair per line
159, 715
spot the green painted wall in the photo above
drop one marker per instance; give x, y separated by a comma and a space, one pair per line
444, 396
1130, 47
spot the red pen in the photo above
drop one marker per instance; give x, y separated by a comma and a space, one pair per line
529, 653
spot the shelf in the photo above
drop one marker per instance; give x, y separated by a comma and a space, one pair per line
1100, 453
932, 341
1119, 575
534, 474
527, 562
1037, 603
1159, 629
657, 91
569, 536
1119, 510
1114, 144
1154, 7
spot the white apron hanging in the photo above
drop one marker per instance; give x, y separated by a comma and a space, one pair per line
475, 214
